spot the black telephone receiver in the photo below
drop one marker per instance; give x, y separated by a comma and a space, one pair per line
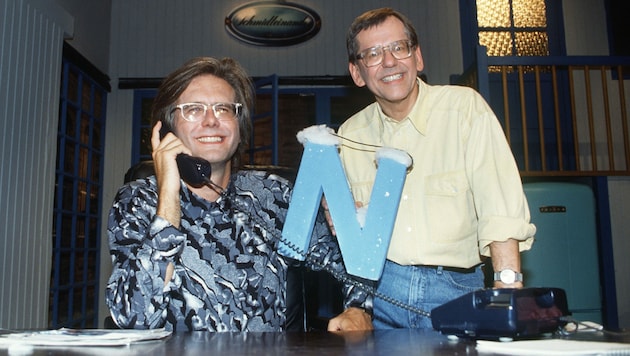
193, 170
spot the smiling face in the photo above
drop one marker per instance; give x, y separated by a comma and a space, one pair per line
393, 82
210, 138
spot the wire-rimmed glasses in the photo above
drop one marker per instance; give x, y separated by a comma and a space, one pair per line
373, 56
197, 111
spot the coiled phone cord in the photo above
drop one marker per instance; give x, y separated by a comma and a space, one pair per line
338, 275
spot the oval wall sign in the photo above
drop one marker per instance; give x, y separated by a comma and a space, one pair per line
273, 23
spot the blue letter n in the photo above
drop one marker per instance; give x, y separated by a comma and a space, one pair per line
364, 249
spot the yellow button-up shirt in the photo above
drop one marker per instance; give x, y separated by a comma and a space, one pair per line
463, 191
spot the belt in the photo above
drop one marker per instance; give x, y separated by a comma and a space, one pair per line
452, 269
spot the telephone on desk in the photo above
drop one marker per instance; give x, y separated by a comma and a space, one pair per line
504, 313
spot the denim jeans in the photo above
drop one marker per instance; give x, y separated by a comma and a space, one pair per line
422, 287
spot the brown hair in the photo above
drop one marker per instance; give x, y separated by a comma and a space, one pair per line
373, 18
227, 69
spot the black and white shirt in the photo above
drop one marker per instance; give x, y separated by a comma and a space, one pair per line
228, 276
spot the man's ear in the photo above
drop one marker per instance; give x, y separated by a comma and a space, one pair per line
355, 73
419, 60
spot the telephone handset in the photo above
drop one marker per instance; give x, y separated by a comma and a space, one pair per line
193, 170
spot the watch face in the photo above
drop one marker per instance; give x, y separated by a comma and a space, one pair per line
508, 276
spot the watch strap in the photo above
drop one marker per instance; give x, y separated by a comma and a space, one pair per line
518, 276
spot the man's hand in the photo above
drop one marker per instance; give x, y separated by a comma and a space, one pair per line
351, 319
167, 174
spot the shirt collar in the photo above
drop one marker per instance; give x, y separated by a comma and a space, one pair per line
418, 121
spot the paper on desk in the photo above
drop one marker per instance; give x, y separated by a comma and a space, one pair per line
553, 347
81, 337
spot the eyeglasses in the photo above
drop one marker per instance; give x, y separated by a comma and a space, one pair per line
197, 111
374, 56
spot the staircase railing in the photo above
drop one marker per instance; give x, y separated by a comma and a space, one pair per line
563, 116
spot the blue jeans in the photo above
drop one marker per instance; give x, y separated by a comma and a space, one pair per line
422, 287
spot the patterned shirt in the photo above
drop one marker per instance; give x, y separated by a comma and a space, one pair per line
228, 275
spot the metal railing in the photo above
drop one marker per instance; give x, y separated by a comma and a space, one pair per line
563, 116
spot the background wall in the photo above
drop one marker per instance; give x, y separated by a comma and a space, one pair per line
93, 22
31, 39
150, 38
619, 193
593, 40
581, 40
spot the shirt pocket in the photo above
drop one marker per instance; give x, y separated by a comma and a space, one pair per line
450, 208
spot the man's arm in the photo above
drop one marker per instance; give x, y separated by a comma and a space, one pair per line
167, 175
505, 255
142, 248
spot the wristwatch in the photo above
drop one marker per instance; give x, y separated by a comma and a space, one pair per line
508, 276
